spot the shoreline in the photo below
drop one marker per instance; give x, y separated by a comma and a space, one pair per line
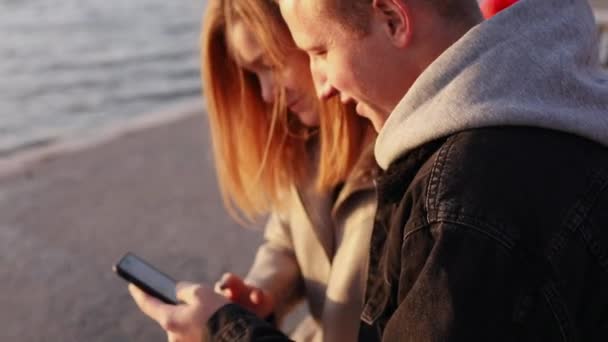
148, 187
29, 156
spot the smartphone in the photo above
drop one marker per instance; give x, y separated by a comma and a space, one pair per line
149, 279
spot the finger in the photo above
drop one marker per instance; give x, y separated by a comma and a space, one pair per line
166, 315
228, 293
152, 307
221, 284
232, 287
256, 296
218, 287
232, 281
189, 292
224, 291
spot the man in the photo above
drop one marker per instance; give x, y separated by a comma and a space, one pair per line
492, 219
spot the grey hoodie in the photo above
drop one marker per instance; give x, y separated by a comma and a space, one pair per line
534, 64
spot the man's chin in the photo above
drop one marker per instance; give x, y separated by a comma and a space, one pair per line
376, 118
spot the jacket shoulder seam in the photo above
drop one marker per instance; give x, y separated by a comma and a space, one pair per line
435, 179
488, 231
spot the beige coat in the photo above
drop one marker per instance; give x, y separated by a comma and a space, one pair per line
318, 251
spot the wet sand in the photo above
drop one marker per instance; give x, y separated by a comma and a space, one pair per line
65, 219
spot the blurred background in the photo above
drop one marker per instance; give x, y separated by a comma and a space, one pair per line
104, 149
71, 65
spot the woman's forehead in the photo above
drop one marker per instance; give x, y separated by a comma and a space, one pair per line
243, 43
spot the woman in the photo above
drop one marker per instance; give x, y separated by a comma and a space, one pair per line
278, 150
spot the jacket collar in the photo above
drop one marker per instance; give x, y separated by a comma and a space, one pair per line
534, 64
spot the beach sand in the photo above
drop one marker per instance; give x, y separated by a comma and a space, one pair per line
67, 217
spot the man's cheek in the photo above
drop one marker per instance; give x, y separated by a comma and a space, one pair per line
343, 79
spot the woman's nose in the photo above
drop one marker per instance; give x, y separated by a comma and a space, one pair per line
267, 85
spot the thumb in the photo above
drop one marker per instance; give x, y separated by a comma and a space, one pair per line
262, 302
188, 292
231, 286
257, 296
200, 298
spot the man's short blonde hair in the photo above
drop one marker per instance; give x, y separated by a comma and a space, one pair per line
355, 14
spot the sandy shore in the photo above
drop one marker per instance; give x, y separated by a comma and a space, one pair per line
65, 219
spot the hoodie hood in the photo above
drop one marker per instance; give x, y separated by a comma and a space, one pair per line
534, 64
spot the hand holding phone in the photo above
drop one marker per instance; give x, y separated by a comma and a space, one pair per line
135, 270
186, 321
252, 298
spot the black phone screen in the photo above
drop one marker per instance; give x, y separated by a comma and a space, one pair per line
148, 278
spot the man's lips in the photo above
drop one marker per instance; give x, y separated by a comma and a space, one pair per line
359, 108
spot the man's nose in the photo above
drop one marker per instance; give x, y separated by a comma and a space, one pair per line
326, 91
323, 87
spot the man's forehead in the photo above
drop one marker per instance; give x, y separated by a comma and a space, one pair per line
305, 9
304, 17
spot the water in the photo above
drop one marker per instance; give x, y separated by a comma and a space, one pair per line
69, 66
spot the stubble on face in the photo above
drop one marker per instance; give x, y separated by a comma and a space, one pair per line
343, 59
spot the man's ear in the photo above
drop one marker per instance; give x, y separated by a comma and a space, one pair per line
396, 20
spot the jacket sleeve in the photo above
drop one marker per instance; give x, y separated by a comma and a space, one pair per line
232, 323
456, 283
276, 269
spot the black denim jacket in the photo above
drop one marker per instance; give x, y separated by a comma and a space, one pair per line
497, 234
491, 235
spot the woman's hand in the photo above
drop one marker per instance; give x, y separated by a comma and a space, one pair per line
252, 298
185, 322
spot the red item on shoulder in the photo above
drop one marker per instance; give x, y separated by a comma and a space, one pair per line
489, 8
